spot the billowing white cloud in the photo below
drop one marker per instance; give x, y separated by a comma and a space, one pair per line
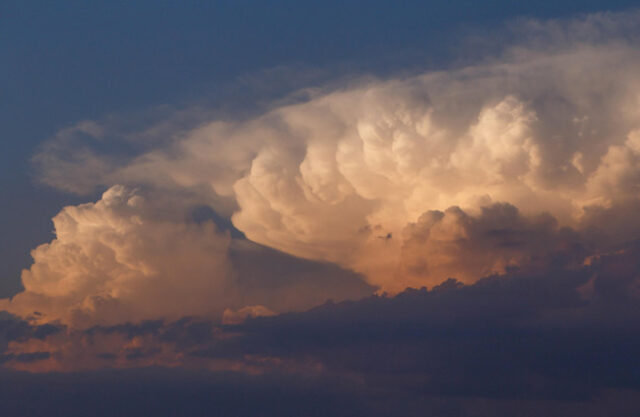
403, 180
119, 259
133, 256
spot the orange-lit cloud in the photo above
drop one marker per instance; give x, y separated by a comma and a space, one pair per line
132, 256
408, 181
119, 260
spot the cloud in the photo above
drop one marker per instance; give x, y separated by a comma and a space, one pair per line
496, 240
112, 260
520, 161
166, 392
132, 256
549, 126
560, 340
563, 332
236, 317
496, 205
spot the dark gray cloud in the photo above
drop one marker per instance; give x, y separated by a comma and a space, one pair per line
557, 333
560, 340
163, 392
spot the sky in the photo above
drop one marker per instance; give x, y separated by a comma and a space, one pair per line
366, 208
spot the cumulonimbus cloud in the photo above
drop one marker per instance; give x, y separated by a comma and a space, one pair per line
408, 181
114, 259
132, 256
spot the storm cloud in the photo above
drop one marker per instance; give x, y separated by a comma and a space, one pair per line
550, 127
136, 255
558, 341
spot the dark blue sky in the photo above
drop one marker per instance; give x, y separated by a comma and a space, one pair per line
67, 61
